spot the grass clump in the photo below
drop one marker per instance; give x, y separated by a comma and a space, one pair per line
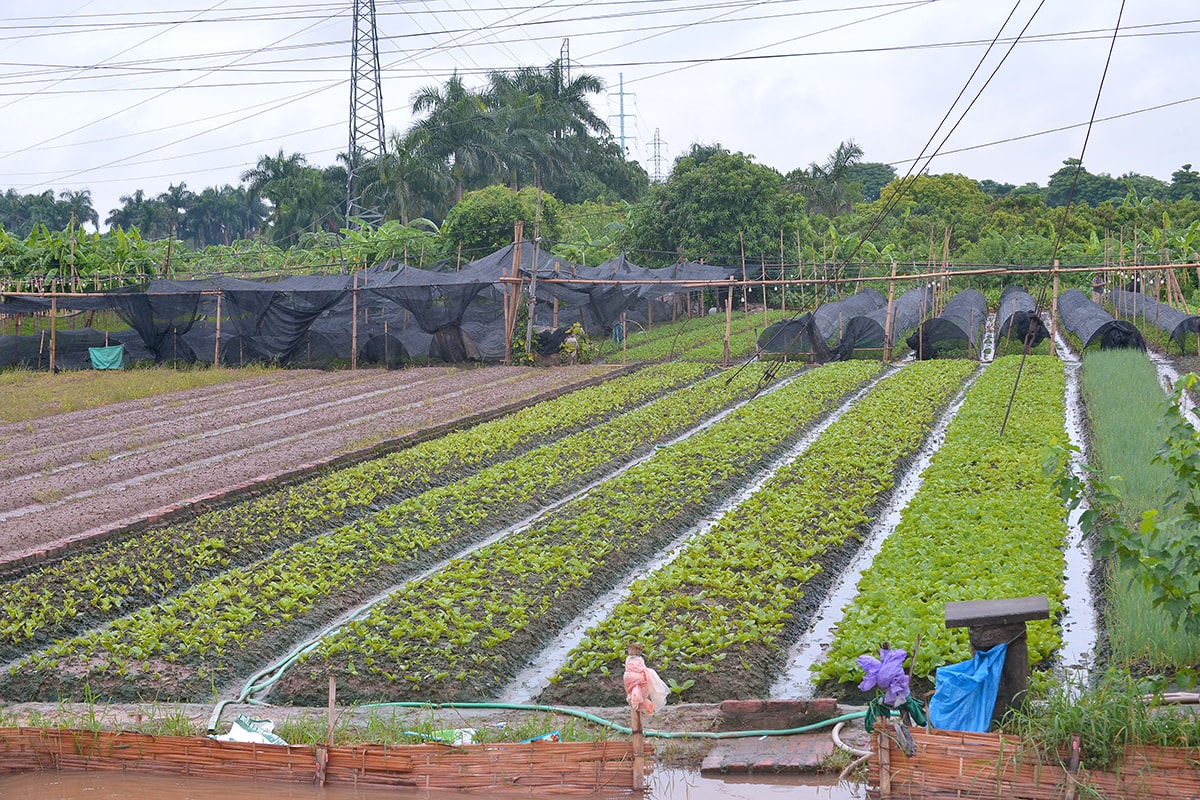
1124, 404
1115, 712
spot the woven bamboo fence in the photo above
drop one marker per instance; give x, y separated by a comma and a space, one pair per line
952, 764
560, 766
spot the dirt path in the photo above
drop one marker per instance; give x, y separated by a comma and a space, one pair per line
83, 474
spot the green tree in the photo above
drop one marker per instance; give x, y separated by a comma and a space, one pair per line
712, 202
1090, 189
871, 176
148, 215
303, 198
483, 221
1185, 184
995, 190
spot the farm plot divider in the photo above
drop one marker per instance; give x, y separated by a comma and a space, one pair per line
222, 628
465, 631
81, 591
720, 617
985, 525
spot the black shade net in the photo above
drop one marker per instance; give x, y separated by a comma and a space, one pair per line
1017, 315
401, 312
814, 335
874, 331
1092, 324
1171, 321
956, 332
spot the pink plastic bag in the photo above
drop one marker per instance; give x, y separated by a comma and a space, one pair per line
643, 688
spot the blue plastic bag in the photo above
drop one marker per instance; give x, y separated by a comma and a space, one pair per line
966, 692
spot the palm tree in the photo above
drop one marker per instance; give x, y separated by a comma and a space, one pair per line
81, 203
828, 187
569, 98
411, 182
272, 178
149, 215
458, 131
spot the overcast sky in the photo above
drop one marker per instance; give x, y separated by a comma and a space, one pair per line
119, 95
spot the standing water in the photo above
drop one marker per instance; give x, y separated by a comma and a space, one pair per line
666, 784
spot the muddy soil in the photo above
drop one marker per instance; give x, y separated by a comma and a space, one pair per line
82, 475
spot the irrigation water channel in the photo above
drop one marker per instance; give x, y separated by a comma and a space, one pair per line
664, 784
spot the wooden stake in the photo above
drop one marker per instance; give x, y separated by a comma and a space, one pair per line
332, 709
639, 741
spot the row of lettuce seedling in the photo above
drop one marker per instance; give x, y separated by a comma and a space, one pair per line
221, 626
145, 568
719, 617
464, 631
701, 338
985, 525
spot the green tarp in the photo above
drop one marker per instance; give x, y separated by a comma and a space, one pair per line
108, 357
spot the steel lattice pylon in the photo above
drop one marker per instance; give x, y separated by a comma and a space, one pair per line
366, 108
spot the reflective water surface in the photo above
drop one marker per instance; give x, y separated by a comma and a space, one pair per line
664, 785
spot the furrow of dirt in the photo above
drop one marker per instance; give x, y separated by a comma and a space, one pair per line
54, 445
120, 489
201, 440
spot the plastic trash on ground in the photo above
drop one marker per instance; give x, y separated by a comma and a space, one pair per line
966, 692
259, 731
643, 688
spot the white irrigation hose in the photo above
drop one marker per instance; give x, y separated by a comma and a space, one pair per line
842, 745
863, 755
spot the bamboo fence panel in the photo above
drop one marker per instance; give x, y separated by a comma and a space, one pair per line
965, 766
563, 766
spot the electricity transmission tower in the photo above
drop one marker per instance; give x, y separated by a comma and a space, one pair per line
366, 110
657, 160
622, 94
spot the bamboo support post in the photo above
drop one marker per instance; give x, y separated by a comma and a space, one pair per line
887, 323
53, 331
728, 324
1054, 305
217, 345
354, 323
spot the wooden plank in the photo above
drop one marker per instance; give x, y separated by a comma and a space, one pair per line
970, 613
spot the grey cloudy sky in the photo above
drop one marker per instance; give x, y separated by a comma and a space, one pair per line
120, 95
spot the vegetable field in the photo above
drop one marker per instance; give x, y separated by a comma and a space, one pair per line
715, 509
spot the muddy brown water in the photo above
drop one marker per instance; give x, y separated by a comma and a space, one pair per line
665, 784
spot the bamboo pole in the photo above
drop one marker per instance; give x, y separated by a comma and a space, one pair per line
887, 323
764, 287
624, 338
217, 345
354, 323
53, 331
745, 282
728, 324
555, 303
1054, 306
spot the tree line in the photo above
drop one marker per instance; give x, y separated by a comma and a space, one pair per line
528, 145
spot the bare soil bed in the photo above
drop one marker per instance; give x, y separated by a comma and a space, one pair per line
82, 475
